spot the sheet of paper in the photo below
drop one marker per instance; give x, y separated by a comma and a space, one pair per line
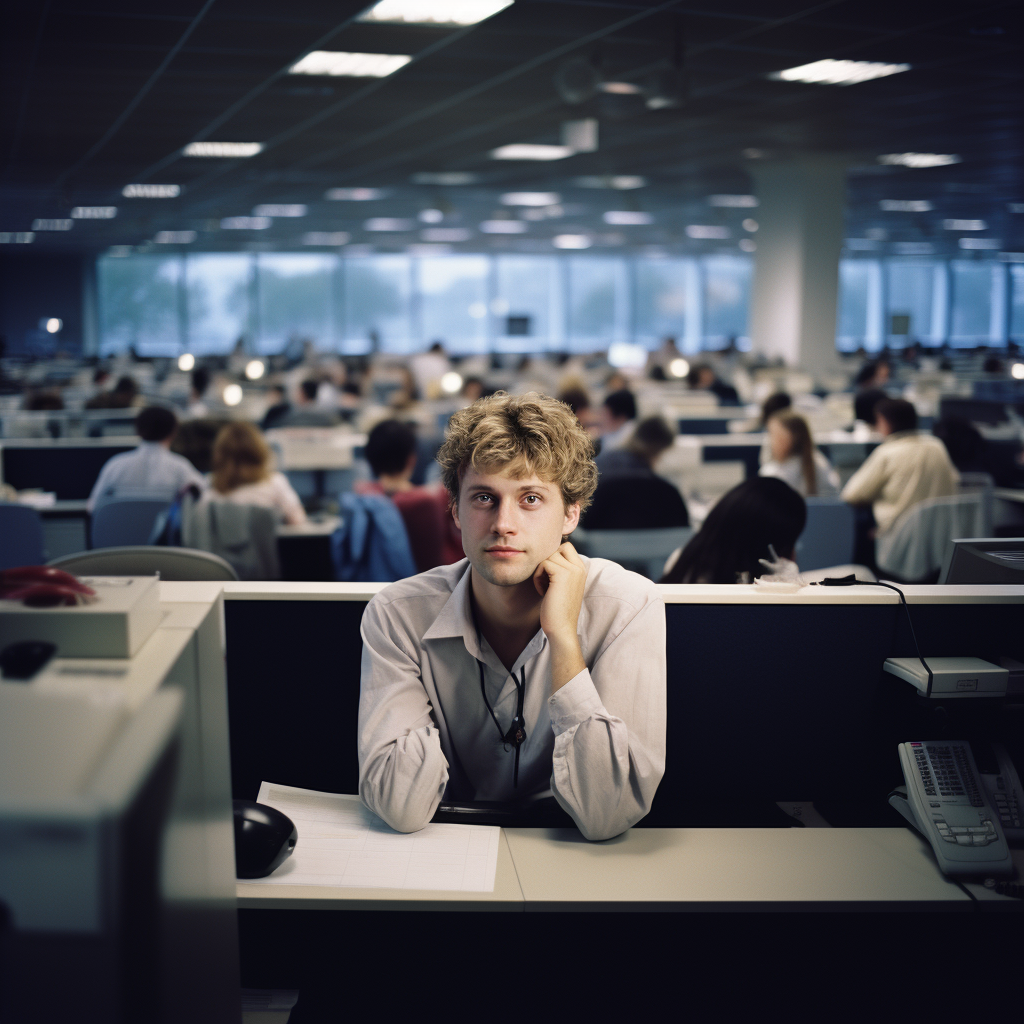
342, 843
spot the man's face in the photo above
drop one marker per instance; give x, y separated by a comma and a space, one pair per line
510, 526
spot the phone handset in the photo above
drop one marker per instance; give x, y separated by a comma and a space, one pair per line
948, 804
1005, 794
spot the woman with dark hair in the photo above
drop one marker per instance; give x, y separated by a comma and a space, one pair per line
758, 513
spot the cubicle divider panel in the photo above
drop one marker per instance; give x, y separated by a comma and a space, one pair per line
293, 693
68, 470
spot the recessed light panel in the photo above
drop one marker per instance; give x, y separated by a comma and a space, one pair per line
222, 149
627, 217
434, 12
246, 223
354, 195
52, 224
389, 224
503, 227
964, 225
16, 237
706, 231
174, 237
905, 205
919, 159
445, 178
980, 243
349, 65
618, 181
571, 241
531, 151
280, 210
531, 198
147, 191
332, 238
838, 72
94, 212
446, 234
733, 202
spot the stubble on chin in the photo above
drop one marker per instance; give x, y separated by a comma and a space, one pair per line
504, 576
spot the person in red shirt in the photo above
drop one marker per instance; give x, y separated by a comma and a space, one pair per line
433, 536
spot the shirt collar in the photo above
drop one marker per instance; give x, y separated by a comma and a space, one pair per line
898, 435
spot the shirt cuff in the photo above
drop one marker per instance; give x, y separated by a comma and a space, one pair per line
574, 703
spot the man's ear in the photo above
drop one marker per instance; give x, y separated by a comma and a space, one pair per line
455, 515
572, 519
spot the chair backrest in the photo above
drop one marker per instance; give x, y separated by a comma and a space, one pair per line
125, 520
643, 551
372, 544
148, 560
828, 537
916, 546
243, 535
21, 536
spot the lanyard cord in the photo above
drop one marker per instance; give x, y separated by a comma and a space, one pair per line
516, 732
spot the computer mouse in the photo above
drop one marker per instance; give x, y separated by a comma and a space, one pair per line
264, 839
25, 658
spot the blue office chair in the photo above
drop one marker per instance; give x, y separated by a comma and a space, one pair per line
21, 536
122, 521
828, 537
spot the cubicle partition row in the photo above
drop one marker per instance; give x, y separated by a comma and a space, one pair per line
770, 697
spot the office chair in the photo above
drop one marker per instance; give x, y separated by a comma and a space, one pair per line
828, 537
21, 536
643, 551
125, 520
148, 560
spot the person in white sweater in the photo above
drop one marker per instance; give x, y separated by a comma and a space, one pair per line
796, 460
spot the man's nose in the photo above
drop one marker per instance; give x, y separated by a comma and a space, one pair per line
505, 519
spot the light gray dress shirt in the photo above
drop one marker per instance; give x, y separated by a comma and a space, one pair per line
425, 730
150, 469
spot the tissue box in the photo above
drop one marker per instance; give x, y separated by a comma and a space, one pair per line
116, 626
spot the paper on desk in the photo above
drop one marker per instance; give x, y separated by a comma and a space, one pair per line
342, 843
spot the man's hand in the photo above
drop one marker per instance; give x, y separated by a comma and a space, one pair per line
560, 580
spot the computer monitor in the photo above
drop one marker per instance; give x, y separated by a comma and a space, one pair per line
69, 470
985, 560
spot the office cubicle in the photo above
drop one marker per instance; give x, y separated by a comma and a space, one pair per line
770, 697
67, 468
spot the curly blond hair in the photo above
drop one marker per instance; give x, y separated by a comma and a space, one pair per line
520, 435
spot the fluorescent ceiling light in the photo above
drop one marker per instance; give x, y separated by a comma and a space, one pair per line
749, 224
1015, 207
747, 244
280, 210
434, 12
627, 217
919, 159
350, 65
325, 238
445, 178
446, 234
145, 191
431, 216
531, 151
1017, 370
964, 225
245, 223
222, 149
580, 136
94, 212
232, 394
980, 243
427, 249
174, 237
733, 202
707, 231
389, 224
255, 369
571, 241
51, 224
620, 88
838, 72
531, 198
619, 181
503, 227
905, 205
53, 325
354, 195
1012, 257
16, 237
913, 248
186, 362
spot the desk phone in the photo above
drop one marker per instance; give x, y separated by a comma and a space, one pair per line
947, 802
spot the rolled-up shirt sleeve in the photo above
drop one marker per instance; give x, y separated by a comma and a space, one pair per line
402, 770
609, 725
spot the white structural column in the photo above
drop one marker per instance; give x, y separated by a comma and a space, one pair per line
796, 264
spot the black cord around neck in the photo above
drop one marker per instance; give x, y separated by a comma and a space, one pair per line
516, 734
852, 581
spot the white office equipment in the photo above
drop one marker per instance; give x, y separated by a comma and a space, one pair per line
947, 803
952, 677
342, 843
122, 619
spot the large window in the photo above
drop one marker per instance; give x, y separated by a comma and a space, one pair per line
527, 305
453, 302
664, 300
854, 292
972, 302
377, 293
139, 305
1017, 302
295, 300
598, 303
726, 295
909, 301
218, 308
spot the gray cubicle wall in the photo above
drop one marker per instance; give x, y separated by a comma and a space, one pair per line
770, 698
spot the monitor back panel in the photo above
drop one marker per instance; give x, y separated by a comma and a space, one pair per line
70, 471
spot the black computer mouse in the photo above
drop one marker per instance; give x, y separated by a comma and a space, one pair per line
24, 659
264, 839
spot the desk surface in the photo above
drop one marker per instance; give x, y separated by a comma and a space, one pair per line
799, 869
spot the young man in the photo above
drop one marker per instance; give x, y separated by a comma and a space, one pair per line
523, 667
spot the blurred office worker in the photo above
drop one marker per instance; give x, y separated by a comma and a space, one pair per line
152, 468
